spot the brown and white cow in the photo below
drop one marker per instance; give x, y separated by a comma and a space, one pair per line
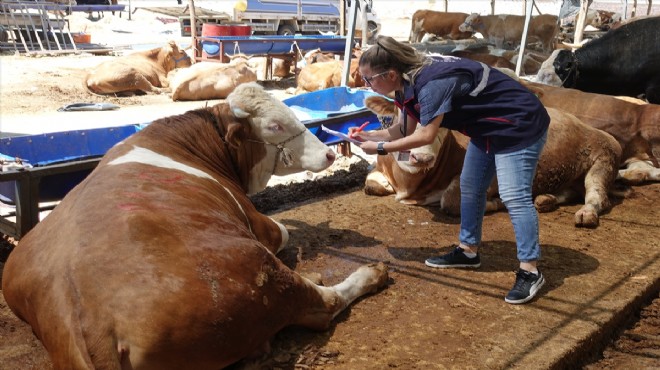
264, 67
208, 80
140, 72
441, 24
505, 30
323, 75
634, 125
577, 160
159, 260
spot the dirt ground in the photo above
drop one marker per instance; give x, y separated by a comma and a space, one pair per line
598, 280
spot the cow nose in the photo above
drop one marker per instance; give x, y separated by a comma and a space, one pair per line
421, 158
331, 156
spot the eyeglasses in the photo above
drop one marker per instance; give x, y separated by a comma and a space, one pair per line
369, 80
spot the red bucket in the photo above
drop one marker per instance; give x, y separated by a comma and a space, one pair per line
210, 49
241, 30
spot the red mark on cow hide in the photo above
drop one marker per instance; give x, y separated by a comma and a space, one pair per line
163, 177
143, 207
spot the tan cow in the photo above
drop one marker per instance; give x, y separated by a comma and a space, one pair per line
319, 76
505, 30
264, 67
137, 73
441, 24
635, 126
159, 260
578, 160
208, 80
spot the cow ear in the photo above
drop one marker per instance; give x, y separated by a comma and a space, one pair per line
235, 134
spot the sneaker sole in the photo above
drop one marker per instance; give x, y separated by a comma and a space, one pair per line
532, 294
431, 264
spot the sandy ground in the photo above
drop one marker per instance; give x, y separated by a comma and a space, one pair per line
597, 279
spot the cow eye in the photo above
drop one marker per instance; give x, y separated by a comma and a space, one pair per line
275, 127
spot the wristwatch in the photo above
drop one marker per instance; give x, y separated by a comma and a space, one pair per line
381, 150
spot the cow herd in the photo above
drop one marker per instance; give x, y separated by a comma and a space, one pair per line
159, 260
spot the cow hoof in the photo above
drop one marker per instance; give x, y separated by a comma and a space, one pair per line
545, 203
632, 177
586, 218
375, 275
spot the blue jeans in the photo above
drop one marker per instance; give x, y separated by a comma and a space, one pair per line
515, 174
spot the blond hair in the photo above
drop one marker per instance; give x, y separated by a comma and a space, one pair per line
387, 53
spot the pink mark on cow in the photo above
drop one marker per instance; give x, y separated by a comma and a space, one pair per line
163, 177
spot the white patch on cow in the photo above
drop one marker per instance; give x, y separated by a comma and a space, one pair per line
151, 158
146, 156
285, 235
547, 74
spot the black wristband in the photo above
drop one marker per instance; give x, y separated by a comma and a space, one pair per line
381, 150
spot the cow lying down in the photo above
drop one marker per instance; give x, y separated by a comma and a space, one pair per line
208, 80
159, 260
137, 73
633, 124
577, 160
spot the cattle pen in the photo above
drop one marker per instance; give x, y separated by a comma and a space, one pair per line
599, 279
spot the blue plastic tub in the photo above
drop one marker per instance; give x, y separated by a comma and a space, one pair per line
59, 147
260, 45
337, 108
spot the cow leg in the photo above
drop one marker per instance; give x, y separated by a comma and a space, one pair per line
325, 303
639, 172
377, 184
597, 183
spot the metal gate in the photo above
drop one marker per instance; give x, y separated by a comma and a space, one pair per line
33, 27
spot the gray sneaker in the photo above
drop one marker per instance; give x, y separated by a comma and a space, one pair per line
454, 259
526, 286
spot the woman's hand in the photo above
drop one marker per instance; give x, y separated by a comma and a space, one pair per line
374, 135
369, 147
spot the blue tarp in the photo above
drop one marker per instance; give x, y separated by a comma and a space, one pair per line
337, 108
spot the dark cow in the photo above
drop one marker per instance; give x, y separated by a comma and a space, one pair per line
624, 61
577, 161
159, 260
440, 24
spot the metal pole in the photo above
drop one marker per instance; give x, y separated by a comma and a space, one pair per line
582, 19
193, 31
352, 15
523, 42
365, 25
342, 17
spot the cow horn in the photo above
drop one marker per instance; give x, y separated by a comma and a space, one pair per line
240, 113
573, 45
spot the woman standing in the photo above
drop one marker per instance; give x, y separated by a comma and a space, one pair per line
507, 125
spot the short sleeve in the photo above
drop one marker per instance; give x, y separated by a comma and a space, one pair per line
436, 96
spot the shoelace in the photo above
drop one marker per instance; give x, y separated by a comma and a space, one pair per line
521, 279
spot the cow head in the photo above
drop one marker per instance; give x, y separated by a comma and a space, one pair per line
290, 147
420, 159
172, 57
557, 68
472, 23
